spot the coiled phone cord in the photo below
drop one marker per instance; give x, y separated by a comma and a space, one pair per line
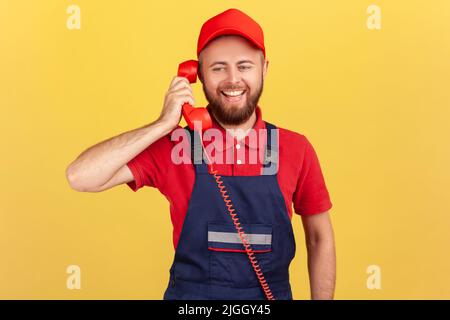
239, 229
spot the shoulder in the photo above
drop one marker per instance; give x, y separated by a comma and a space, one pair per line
296, 151
293, 142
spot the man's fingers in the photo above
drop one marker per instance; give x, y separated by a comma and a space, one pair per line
180, 85
176, 80
182, 99
181, 91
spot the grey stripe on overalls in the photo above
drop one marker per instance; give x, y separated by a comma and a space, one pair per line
233, 237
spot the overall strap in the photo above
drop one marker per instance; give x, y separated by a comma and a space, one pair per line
270, 165
196, 151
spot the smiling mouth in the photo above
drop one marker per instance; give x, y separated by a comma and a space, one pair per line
233, 95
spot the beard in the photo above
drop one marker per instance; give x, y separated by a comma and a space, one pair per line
233, 115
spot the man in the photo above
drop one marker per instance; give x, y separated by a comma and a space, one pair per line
211, 261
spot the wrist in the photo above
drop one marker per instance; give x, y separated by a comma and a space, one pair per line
163, 126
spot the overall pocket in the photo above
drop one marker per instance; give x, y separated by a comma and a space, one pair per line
229, 262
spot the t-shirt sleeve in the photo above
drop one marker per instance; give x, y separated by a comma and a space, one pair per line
148, 166
311, 195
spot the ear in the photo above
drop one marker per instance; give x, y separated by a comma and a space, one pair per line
199, 75
265, 67
199, 71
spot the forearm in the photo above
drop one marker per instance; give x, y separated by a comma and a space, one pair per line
96, 165
322, 268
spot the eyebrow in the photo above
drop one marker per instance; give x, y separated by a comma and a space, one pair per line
224, 63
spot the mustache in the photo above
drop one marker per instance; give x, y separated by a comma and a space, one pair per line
233, 88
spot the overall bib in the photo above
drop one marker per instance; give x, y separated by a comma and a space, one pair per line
210, 261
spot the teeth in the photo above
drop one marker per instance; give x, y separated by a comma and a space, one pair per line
233, 93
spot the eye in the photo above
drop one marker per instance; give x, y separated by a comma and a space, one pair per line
217, 69
244, 67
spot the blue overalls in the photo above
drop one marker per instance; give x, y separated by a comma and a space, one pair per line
210, 261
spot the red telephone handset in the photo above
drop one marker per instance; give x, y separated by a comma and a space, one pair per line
188, 69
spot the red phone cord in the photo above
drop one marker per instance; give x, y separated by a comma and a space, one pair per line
239, 229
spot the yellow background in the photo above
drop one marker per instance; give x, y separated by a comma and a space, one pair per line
374, 103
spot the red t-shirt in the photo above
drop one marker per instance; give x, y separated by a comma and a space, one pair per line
299, 174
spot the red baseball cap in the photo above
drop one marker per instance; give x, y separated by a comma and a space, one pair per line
231, 21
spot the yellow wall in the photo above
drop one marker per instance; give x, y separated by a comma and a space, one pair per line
374, 103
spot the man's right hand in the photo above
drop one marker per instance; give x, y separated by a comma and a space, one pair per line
179, 93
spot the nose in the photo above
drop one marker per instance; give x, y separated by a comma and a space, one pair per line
233, 75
